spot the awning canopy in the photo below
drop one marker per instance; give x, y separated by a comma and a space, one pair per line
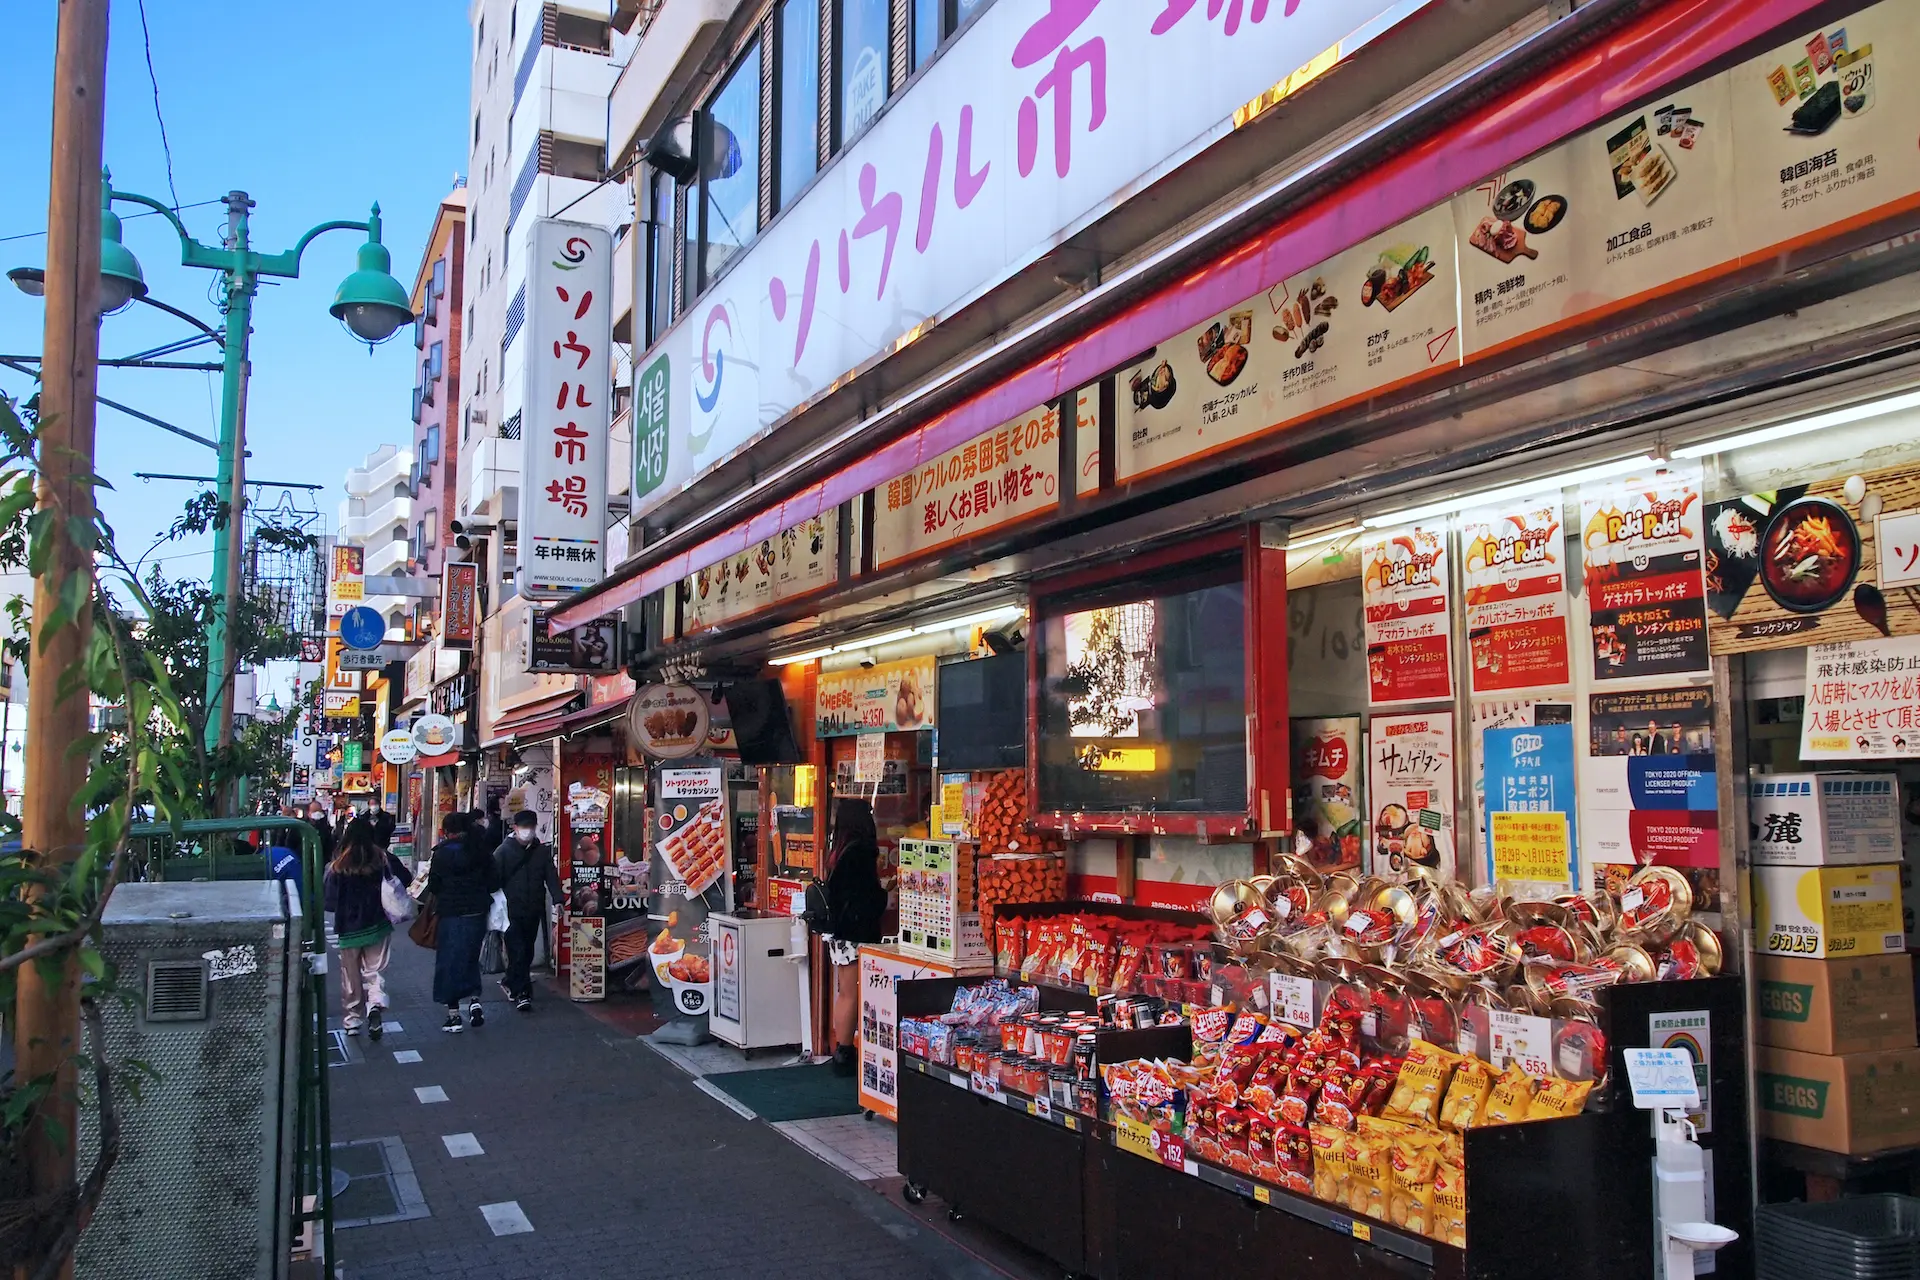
593, 717
535, 720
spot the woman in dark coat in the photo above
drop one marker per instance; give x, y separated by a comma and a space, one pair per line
462, 879
856, 902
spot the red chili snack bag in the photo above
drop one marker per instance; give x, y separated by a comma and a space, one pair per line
1210, 1025
1009, 945
1296, 1100
1293, 1152
1260, 1151
1232, 1124
1335, 1104
1269, 1078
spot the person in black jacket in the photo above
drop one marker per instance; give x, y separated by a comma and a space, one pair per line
528, 878
462, 879
383, 822
856, 902
360, 921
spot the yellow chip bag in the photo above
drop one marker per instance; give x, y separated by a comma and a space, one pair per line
1330, 1168
1467, 1095
1382, 1125
1370, 1173
1512, 1095
1410, 1202
1558, 1099
1449, 1221
1422, 1082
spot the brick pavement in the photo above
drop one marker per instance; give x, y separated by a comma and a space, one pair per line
622, 1167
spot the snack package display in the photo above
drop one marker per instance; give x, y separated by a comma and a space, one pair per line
1467, 1094
1450, 1201
1330, 1164
1558, 1099
1422, 1083
1511, 1098
1410, 1203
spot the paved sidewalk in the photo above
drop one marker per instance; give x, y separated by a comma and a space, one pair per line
590, 1156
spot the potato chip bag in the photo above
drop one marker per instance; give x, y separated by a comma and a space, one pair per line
1422, 1083
1558, 1099
1467, 1095
1369, 1173
1330, 1167
1410, 1202
1449, 1221
1511, 1097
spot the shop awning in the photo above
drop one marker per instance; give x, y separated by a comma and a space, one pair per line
1626, 66
535, 721
593, 717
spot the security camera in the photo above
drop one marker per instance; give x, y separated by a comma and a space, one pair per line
867, 663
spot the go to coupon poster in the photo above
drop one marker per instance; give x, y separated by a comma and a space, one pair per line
1410, 786
1404, 594
1643, 543
1513, 568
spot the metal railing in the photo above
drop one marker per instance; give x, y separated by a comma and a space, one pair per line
155, 855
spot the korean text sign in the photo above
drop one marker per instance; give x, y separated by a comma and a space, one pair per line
568, 337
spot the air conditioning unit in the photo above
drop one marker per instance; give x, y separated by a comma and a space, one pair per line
203, 1188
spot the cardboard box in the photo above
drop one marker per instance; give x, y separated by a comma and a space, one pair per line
1835, 1006
1823, 819
1855, 1103
1828, 912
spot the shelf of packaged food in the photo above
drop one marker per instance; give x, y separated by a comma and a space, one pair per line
1037, 1107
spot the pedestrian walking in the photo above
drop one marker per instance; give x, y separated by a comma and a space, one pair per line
529, 880
317, 815
383, 822
856, 901
462, 879
360, 921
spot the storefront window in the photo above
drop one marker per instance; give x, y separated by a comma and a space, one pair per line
1144, 696
799, 90
863, 69
730, 166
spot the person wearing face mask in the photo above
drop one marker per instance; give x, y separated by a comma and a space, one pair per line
529, 880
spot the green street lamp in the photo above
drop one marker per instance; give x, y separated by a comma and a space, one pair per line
370, 303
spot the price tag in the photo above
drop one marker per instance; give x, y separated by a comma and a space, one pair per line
986, 1088
1072, 1122
1261, 1195
1363, 1231
1043, 1106
1173, 1152
1662, 1078
1521, 1038
1292, 998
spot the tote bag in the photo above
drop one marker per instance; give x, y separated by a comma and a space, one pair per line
396, 901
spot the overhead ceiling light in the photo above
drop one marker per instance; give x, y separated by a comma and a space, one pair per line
1801, 426
1599, 471
973, 619
788, 660
1325, 535
871, 641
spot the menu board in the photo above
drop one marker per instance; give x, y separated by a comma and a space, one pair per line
1863, 700
893, 696
1513, 572
1404, 584
792, 563
1329, 808
587, 964
1646, 597
1000, 476
1410, 789
1372, 317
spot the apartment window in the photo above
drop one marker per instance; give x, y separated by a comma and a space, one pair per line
927, 21
440, 278
659, 257
730, 166
436, 360
861, 63
431, 528
430, 447
476, 128
797, 90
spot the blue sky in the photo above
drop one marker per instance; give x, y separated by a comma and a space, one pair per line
315, 112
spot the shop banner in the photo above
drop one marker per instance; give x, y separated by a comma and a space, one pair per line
999, 477
1410, 789
346, 585
459, 607
1373, 317
1329, 809
1646, 597
1815, 564
890, 697
568, 347
690, 841
1514, 576
793, 563
1649, 791
1531, 798
582, 839
1404, 593
592, 648
1863, 700
693, 828
881, 971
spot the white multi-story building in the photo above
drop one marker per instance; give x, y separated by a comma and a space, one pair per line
377, 515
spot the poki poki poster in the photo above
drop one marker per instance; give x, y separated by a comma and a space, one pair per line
1404, 591
1513, 569
1642, 541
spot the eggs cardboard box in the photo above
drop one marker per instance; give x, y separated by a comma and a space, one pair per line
1854, 1103
1835, 1006
1823, 819
1828, 912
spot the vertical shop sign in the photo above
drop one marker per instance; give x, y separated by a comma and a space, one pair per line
1514, 574
1329, 809
880, 974
563, 506
1646, 597
1531, 799
1410, 789
1649, 790
1404, 590
1863, 700
587, 945
460, 606
346, 585
652, 399
690, 832
1007, 474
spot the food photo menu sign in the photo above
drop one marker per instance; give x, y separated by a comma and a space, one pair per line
1404, 591
1641, 537
1513, 570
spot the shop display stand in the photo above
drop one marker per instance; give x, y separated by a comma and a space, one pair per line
1571, 1199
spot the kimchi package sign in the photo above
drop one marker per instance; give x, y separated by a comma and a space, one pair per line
1514, 569
1646, 595
1405, 595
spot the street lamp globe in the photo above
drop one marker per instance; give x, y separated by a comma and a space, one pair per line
121, 280
31, 281
370, 302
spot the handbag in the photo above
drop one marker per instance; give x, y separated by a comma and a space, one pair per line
493, 952
425, 929
815, 914
396, 901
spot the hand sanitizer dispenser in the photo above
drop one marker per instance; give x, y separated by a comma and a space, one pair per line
1663, 1084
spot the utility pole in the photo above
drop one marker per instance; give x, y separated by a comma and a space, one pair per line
230, 486
47, 1030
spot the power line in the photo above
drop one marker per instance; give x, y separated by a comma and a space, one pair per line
145, 213
146, 38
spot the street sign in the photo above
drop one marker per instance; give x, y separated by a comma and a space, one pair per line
362, 628
362, 659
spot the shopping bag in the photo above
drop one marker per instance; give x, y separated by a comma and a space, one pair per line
493, 952
497, 914
396, 901
425, 929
